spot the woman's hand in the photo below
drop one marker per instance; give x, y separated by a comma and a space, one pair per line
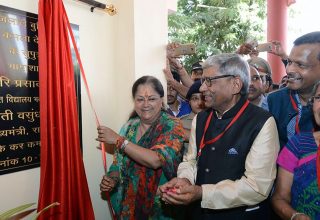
107, 135
301, 217
107, 184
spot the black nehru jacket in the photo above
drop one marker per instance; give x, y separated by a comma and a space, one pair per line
225, 159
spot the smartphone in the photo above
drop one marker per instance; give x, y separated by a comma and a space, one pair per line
264, 47
185, 49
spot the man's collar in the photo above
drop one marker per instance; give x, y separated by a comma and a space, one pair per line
234, 110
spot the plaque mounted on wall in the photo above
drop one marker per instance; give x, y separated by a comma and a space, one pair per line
20, 143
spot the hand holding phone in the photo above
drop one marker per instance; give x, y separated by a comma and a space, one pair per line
278, 50
265, 47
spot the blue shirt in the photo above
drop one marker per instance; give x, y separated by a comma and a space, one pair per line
183, 109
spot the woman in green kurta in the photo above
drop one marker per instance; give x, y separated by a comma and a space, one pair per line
148, 152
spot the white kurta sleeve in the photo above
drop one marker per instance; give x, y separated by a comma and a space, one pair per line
188, 167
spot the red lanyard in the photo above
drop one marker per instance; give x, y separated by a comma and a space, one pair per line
294, 105
203, 143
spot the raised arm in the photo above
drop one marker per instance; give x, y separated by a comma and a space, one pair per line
180, 88
176, 64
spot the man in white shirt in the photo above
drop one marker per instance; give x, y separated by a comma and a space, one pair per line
230, 165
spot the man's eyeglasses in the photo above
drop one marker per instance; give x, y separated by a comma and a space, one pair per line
210, 80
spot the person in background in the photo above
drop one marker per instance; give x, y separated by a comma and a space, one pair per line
289, 105
230, 165
284, 82
259, 63
171, 75
196, 103
256, 89
148, 150
176, 107
174, 64
297, 191
264, 70
196, 71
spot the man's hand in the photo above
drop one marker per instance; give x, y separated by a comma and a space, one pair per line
278, 50
171, 48
174, 183
183, 195
173, 61
179, 191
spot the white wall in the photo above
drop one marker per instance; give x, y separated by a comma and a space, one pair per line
115, 51
21, 187
172, 6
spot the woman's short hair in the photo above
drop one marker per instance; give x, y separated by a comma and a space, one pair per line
150, 80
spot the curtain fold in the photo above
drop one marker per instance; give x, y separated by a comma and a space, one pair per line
62, 177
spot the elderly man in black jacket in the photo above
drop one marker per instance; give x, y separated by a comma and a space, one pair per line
230, 165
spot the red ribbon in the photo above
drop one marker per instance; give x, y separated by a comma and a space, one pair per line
103, 150
236, 117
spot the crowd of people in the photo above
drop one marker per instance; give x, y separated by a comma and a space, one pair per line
227, 144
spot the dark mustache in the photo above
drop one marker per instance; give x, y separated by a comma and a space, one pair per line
252, 88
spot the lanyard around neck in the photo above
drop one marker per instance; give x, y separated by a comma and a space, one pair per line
204, 143
295, 107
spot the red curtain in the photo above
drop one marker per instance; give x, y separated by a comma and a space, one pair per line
62, 177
